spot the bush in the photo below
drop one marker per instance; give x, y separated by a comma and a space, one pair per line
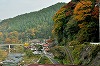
29, 53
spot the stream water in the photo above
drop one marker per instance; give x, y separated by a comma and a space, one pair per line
13, 59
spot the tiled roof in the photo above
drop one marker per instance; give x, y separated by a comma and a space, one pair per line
45, 45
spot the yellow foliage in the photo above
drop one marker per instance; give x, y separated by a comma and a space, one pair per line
31, 32
3, 55
1, 34
79, 17
59, 15
26, 44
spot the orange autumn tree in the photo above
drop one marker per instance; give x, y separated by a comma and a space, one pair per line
12, 37
82, 10
87, 16
8, 40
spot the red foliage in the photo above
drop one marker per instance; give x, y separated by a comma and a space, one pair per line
95, 12
69, 13
69, 7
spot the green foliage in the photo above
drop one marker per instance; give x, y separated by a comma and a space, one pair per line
29, 60
29, 53
89, 33
59, 19
59, 53
18, 49
71, 29
88, 54
74, 43
95, 51
44, 60
39, 47
75, 0
3, 55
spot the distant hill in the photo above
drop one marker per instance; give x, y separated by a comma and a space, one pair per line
41, 21
0, 20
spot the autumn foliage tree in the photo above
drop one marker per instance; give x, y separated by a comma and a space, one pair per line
87, 17
82, 10
12, 37
78, 20
30, 33
79, 27
8, 40
95, 12
60, 20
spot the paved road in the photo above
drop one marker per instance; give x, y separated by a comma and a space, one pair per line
52, 59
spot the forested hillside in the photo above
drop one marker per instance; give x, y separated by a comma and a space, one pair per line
77, 21
31, 25
76, 24
0, 20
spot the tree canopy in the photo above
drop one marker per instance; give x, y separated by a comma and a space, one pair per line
77, 21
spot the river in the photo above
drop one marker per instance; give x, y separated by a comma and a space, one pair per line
13, 59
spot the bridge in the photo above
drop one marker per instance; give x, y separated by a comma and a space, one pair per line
9, 45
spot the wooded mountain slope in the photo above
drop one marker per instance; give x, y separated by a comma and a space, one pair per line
36, 24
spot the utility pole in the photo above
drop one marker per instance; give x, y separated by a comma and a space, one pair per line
9, 48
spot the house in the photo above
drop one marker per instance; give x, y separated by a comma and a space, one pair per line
33, 48
37, 52
46, 45
46, 48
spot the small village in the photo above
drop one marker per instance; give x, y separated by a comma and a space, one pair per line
30, 52
39, 47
